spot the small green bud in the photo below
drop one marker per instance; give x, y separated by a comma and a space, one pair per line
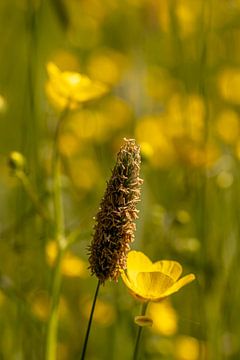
143, 320
182, 217
16, 161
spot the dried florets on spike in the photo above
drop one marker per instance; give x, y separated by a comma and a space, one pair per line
115, 221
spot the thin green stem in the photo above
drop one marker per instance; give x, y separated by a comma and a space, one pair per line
61, 120
90, 322
51, 345
57, 186
138, 338
52, 328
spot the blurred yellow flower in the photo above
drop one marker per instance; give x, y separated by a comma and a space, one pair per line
162, 11
72, 265
40, 305
176, 134
146, 150
159, 83
211, 154
195, 155
187, 13
68, 144
187, 348
51, 252
104, 313
164, 317
186, 117
107, 66
224, 179
98, 125
3, 104
151, 135
70, 89
84, 172
228, 126
88, 125
149, 281
229, 85
65, 60
116, 112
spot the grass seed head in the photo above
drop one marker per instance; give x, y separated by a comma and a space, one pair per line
115, 221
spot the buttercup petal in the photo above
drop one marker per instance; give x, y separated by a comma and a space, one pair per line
133, 290
152, 284
53, 70
58, 100
180, 283
168, 267
137, 262
126, 281
73, 79
89, 92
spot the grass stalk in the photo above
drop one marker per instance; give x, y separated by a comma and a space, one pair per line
52, 327
51, 345
90, 322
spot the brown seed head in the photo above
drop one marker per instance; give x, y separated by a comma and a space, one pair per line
114, 228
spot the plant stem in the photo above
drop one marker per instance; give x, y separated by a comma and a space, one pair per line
90, 322
51, 346
136, 349
51, 342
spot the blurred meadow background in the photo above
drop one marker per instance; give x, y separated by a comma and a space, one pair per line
173, 72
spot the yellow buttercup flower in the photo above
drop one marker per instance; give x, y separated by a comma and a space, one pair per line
70, 89
149, 281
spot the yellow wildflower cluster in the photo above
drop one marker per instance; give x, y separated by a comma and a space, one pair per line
177, 134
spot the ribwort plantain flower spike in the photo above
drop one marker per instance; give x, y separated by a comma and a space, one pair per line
115, 221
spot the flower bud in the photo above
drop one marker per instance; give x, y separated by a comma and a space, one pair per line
143, 320
16, 161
